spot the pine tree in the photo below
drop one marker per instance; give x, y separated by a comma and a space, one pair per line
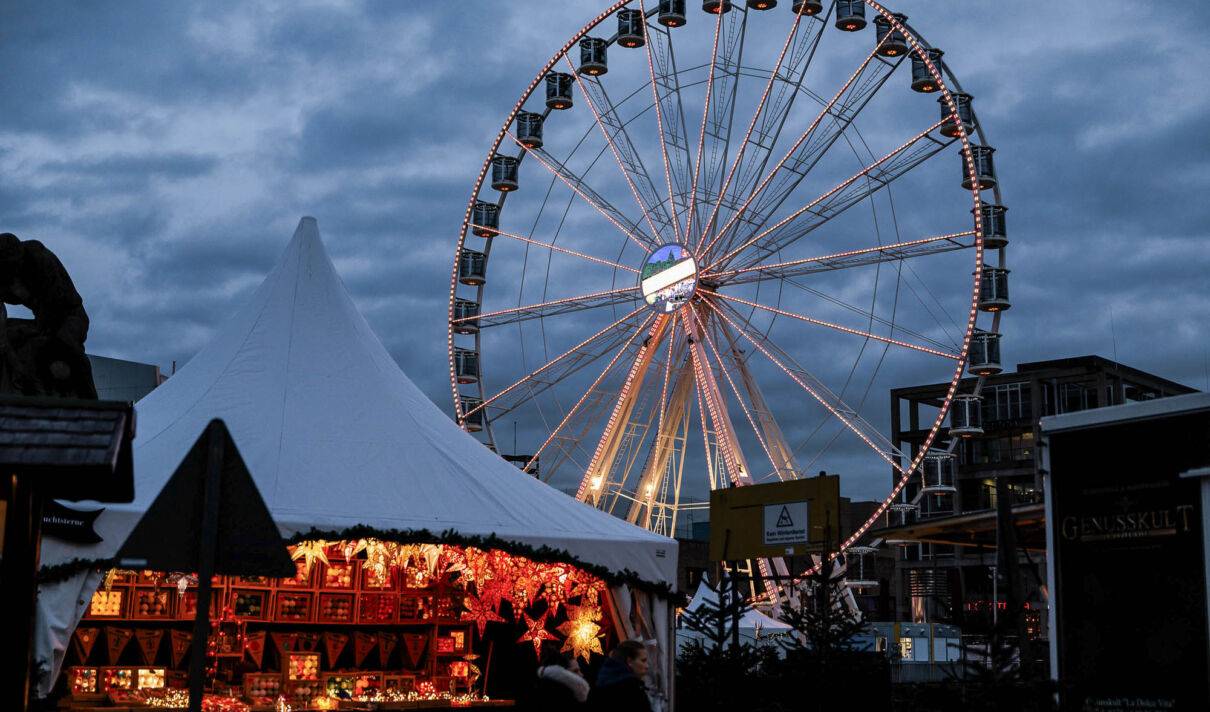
990, 675
718, 619
825, 655
825, 626
714, 673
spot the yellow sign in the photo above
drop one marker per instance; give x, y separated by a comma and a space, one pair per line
779, 519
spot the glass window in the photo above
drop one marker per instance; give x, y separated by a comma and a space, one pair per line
1006, 401
1073, 397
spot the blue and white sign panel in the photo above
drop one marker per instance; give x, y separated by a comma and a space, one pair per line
786, 523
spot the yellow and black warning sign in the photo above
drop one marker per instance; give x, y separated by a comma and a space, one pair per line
778, 519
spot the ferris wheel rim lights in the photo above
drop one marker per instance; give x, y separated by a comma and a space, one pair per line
957, 122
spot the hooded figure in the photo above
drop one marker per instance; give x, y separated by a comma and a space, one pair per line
620, 686
560, 685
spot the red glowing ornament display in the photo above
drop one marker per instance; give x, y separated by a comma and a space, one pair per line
480, 612
536, 632
583, 633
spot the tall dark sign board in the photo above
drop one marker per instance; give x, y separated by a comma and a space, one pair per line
1129, 590
208, 518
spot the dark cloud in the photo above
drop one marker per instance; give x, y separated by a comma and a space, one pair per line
166, 152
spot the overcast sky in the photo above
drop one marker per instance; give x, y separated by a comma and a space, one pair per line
165, 152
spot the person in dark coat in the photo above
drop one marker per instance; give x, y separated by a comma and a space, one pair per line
620, 685
560, 685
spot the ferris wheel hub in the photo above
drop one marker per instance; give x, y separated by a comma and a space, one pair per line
668, 278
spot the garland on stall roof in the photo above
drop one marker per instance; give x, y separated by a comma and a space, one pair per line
545, 554
56, 573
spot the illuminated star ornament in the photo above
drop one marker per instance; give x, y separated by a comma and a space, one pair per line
536, 632
480, 612
582, 631
309, 552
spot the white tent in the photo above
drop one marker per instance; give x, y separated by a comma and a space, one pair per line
755, 628
751, 622
336, 435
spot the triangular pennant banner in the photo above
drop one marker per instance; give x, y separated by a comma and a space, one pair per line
307, 642
363, 643
413, 648
285, 642
180, 645
335, 644
254, 646
116, 639
386, 646
84, 639
149, 643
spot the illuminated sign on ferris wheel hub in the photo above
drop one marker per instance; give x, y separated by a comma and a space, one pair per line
668, 278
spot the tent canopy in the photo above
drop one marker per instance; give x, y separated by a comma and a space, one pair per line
337, 436
751, 619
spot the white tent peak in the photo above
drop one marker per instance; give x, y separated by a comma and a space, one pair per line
750, 619
336, 435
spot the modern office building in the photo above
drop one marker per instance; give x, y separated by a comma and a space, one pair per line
120, 380
943, 531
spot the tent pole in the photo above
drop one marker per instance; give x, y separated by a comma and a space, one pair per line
207, 547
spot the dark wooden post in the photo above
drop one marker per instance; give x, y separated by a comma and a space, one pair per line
207, 548
18, 584
1006, 546
735, 605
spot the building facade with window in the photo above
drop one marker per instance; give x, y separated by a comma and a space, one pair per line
943, 529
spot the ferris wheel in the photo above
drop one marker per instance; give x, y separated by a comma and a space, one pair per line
716, 235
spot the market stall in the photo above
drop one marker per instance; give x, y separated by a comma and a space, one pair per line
419, 552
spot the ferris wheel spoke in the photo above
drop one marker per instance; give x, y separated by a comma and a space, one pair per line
701, 410
894, 252
674, 135
816, 389
871, 317
774, 437
595, 480
571, 360
667, 374
837, 199
773, 462
841, 110
777, 113
690, 233
555, 248
596, 382
718, 111
581, 188
852, 194
630, 163
652, 476
771, 112
730, 452
554, 307
659, 119
838, 327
